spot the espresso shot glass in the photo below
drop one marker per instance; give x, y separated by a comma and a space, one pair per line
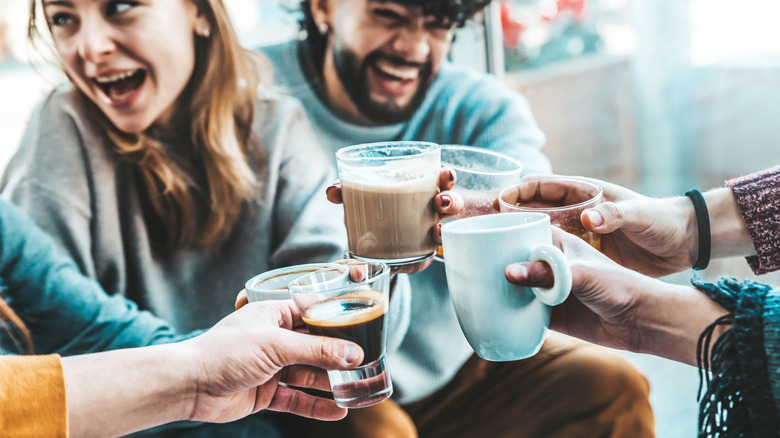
562, 198
388, 191
272, 285
350, 302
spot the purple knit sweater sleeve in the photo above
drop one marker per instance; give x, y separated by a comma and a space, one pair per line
758, 197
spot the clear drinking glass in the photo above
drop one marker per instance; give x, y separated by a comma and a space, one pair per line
562, 198
350, 302
272, 285
481, 174
387, 189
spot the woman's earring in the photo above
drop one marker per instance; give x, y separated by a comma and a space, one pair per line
205, 33
323, 28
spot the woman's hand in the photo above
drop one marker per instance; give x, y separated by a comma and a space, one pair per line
240, 363
653, 236
617, 307
602, 306
446, 203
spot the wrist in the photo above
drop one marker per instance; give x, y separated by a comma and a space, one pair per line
671, 319
730, 236
691, 229
189, 368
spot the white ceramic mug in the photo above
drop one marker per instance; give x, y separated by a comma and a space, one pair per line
501, 321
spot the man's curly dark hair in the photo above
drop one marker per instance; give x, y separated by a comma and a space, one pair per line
447, 13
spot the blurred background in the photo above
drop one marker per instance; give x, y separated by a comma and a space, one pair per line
657, 95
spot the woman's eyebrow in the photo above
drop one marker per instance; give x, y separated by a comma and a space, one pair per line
57, 3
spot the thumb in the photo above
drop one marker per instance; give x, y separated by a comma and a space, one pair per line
319, 351
610, 216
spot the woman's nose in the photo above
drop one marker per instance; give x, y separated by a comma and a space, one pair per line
95, 41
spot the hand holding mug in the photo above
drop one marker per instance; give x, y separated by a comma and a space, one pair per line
617, 307
604, 295
502, 322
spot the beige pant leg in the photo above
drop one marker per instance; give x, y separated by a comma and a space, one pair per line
569, 389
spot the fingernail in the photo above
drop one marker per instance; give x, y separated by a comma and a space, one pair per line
351, 352
595, 218
452, 175
517, 271
438, 228
445, 201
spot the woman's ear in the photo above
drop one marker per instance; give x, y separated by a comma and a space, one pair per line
320, 13
202, 26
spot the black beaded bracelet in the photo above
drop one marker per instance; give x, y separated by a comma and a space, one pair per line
703, 225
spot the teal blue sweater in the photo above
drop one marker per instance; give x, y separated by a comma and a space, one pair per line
66, 312
462, 107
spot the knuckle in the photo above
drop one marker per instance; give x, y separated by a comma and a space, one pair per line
327, 349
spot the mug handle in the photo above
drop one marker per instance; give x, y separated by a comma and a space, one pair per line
561, 275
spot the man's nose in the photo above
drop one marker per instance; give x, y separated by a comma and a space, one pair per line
95, 41
412, 42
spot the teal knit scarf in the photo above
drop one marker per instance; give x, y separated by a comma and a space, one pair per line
737, 399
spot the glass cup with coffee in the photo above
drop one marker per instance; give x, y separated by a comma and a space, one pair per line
350, 301
272, 285
482, 174
387, 189
562, 198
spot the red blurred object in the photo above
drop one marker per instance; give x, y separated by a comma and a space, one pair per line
512, 29
576, 7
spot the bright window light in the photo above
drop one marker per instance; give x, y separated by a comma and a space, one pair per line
727, 30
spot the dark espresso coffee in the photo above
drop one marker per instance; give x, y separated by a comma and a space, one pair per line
392, 220
357, 316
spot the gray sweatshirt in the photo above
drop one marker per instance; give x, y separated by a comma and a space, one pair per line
69, 179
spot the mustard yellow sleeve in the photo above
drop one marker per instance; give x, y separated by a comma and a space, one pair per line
32, 397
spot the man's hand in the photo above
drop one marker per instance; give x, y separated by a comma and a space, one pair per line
239, 365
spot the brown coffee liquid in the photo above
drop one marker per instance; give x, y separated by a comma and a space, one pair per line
390, 221
567, 220
357, 316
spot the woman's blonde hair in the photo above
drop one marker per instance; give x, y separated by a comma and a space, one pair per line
8, 316
224, 87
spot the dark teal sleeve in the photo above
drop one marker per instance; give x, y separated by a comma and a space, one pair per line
66, 312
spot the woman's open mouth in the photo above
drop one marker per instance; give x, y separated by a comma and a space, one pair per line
120, 88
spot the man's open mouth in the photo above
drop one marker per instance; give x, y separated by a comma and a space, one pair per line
117, 87
394, 72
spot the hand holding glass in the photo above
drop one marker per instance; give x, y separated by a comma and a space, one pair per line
387, 189
562, 198
350, 302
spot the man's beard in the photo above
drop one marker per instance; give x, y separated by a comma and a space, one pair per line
354, 79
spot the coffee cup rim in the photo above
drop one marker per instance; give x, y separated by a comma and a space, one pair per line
426, 148
484, 151
307, 268
295, 288
528, 220
593, 200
